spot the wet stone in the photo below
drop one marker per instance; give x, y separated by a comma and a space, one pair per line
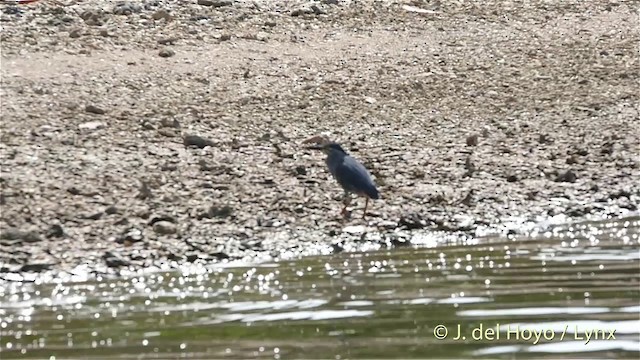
412, 221
131, 235
192, 257
35, 267
620, 194
220, 255
397, 240
114, 260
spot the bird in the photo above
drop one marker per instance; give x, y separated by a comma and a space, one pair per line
352, 176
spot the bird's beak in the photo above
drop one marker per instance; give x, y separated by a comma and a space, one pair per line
315, 147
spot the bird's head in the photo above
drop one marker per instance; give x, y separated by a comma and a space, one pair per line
329, 148
322, 142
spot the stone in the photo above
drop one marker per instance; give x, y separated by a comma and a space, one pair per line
29, 236
197, 141
114, 260
164, 228
55, 231
215, 3
472, 140
166, 53
75, 33
93, 109
92, 125
566, 176
131, 235
161, 14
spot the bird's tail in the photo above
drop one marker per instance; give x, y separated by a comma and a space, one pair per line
372, 192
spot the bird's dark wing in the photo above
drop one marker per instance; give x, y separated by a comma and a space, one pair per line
354, 177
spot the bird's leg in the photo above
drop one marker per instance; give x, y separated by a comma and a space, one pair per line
366, 204
346, 201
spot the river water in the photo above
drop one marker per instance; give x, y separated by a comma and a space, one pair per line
565, 291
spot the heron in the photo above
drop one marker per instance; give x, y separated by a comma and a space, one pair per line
352, 176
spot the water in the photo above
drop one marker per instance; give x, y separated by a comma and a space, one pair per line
535, 296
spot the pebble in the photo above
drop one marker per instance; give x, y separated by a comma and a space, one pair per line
544, 139
144, 191
126, 8
566, 176
164, 228
75, 33
35, 267
170, 123
166, 53
55, 231
93, 17
412, 221
215, 3
93, 109
216, 212
301, 170
472, 140
161, 14
512, 178
219, 255
92, 125
170, 133
302, 11
197, 141
355, 229
192, 256
131, 235
94, 216
167, 41
262, 36
29, 236
114, 260
111, 210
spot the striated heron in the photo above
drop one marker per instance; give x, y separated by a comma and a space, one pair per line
348, 172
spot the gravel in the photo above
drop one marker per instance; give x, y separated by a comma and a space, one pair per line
466, 114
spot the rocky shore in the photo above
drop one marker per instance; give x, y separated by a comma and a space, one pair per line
157, 133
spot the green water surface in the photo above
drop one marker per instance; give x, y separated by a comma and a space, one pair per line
572, 291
